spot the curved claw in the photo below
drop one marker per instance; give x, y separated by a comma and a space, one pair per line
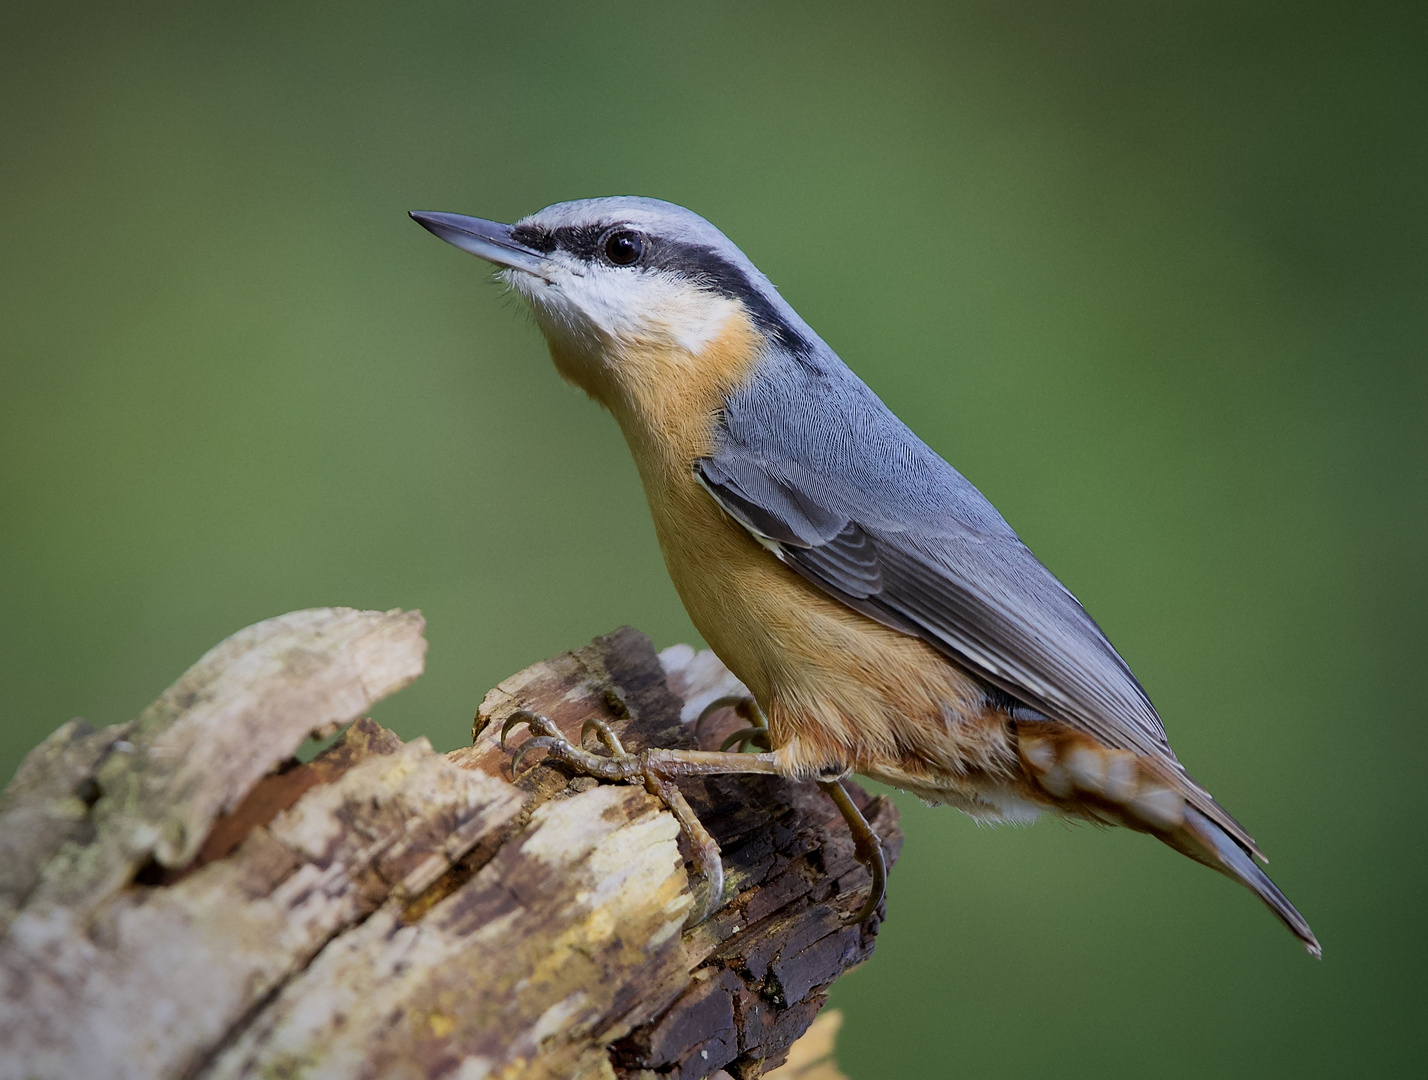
708, 894
756, 735
535, 742
878, 868
606, 733
729, 701
867, 848
708, 883
741, 737
538, 724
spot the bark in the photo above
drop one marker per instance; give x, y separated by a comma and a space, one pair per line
181, 897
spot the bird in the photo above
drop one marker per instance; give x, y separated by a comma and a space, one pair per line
885, 618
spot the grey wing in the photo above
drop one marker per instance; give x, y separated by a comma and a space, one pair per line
838, 488
983, 600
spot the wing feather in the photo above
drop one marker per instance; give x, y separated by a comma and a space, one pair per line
840, 490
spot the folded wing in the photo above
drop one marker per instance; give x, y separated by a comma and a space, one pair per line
866, 511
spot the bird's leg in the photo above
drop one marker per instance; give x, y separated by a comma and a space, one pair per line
867, 848
657, 770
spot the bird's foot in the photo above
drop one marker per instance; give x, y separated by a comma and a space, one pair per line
867, 848
755, 734
656, 769
745, 707
615, 764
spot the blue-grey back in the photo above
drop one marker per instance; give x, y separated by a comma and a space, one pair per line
867, 509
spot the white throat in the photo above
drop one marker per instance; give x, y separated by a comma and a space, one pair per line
606, 310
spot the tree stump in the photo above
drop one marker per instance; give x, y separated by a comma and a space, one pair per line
181, 897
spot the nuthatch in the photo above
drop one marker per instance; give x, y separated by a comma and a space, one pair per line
883, 615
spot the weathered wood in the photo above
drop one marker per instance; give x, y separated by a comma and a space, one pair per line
181, 898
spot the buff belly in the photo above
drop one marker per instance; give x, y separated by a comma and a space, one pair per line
840, 690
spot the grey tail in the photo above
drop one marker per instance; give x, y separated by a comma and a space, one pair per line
1220, 851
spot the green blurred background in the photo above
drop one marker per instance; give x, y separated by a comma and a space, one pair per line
1152, 275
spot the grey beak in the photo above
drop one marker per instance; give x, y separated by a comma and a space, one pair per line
489, 240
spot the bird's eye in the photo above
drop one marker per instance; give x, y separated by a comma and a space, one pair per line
624, 248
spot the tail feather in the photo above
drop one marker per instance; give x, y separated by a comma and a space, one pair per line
1083, 778
1217, 849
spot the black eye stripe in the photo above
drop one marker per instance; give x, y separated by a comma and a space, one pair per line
702, 265
533, 236
582, 241
709, 270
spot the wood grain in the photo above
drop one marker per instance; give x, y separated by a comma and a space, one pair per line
182, 898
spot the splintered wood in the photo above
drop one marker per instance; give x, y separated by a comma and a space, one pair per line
180, 897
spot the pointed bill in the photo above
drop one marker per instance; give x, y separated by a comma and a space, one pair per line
489, 240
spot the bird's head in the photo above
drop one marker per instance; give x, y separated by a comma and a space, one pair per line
630, 289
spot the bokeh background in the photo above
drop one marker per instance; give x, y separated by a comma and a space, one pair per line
1151, 274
